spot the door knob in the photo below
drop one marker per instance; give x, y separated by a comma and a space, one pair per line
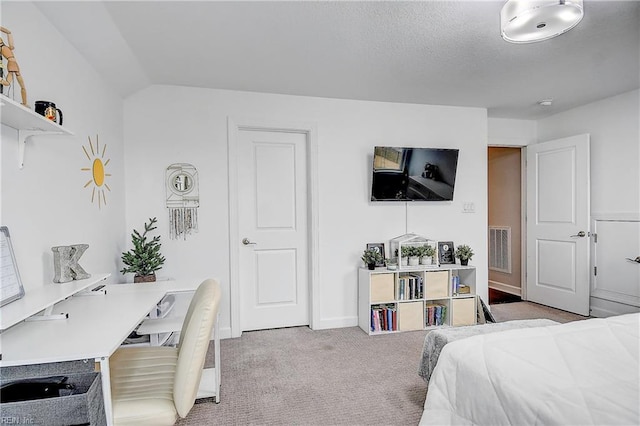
247, 242
580, 234
637, 259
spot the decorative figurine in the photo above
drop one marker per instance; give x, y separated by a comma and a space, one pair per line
12, 65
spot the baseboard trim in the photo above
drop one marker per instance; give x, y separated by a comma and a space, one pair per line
603, 308
506, 288
337, 322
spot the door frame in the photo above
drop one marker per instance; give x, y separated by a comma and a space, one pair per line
523, 213
309, 129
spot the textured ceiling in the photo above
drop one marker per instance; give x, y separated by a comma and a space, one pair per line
432, 52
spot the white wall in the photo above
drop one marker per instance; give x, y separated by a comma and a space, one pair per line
614, 126
512, 132
166, 124
45, 204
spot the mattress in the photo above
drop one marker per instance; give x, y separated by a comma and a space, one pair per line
584, 372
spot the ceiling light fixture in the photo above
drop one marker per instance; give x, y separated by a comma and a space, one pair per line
529, 21
545, 102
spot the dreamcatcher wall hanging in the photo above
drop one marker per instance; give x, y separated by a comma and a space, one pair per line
182, 199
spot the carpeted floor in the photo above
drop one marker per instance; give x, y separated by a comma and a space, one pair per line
328, 377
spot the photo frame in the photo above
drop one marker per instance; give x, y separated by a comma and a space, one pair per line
10, 284
380, 248
445, 252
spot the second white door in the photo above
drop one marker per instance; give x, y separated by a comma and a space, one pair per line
558, 224
272, 223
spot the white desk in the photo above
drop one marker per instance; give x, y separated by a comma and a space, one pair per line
96, 327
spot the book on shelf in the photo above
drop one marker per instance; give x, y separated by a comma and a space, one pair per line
455, 284
384, 317
409, 287
436, 315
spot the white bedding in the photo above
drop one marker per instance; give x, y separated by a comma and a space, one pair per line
580, 373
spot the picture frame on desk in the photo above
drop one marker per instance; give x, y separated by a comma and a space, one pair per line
11, 288
445, 252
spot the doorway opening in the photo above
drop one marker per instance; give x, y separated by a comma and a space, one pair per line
505, 223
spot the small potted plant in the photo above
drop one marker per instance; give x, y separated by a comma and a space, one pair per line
414, 256
464, 253
145, 258
370, 257
426, 254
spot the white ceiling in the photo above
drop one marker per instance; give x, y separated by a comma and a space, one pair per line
431, 52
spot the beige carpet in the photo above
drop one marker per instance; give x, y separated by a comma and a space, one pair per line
328, 377
527, 310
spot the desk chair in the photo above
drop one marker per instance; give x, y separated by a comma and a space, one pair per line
155, 385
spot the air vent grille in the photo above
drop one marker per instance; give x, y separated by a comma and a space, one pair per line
500, 249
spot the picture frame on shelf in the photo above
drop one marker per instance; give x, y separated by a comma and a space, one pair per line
445, 252
379, 247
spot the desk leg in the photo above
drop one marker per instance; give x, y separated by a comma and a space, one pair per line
216, 352
106, 388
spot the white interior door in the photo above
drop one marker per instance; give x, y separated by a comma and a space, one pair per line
558, 224
272, 224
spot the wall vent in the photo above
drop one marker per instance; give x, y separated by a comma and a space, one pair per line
500, 249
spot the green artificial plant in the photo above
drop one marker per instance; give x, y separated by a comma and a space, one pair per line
464, 252
145, 258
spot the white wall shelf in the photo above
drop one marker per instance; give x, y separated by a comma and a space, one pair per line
42, 298
28, 124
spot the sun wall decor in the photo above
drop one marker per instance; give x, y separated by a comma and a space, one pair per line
98, 183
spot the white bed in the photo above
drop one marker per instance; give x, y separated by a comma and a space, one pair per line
580, 373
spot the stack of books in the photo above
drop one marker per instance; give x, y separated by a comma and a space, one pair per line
384, 317
435, 315
409, 287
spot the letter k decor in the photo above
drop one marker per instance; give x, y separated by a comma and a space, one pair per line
65, 263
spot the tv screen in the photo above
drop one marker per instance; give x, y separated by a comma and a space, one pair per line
413, 174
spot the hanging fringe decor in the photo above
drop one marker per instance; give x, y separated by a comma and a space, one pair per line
182, 221
182, 199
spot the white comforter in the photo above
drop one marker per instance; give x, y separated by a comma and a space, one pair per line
580, 373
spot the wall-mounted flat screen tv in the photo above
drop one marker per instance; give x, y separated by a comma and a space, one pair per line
413, 174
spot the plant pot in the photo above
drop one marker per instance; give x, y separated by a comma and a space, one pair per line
144, 278
426, 260
371, 266
464, 262
414, 261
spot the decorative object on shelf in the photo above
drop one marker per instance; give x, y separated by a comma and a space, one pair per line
379, 247
414, 255
371, 257
392, 264
145, 258
183, 199
65, 263
464, 253
48, 109
426, 253
537, 20
98, 174
10, 284
405, 246
446, 252
13, 70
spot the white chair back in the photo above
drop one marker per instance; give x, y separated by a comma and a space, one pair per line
193, 345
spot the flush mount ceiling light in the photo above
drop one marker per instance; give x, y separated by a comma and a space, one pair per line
529, 21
